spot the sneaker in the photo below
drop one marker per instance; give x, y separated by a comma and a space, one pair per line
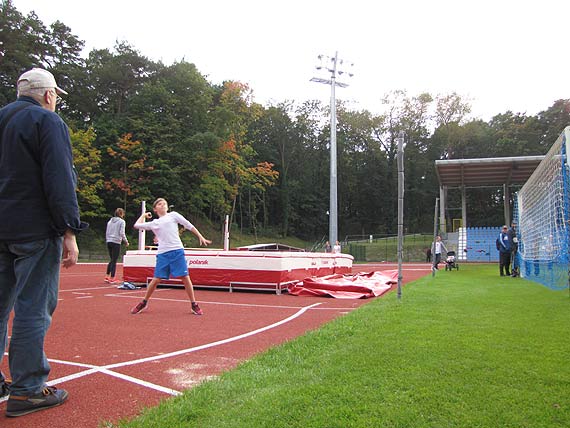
196, 309
5, 388
107, 279
127, 286
139, 307
22, 405
112, 281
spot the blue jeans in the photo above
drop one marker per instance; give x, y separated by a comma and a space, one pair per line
29, 284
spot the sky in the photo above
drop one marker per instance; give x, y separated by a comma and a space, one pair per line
500, 55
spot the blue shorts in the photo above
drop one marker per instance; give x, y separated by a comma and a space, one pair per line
170, 264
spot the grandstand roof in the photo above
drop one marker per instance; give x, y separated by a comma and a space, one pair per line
486, 171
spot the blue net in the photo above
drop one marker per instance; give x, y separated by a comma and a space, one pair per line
541, 212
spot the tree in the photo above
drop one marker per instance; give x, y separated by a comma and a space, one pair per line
362, 166
551, 123
22, 46
273, 138
64, 60
130, 172
450, 108
116, 77
87, 161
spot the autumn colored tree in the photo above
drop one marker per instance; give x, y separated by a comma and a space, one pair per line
129, 177
87, 161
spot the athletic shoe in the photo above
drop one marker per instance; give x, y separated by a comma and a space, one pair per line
107, 279
22, 405
5, 388
112, 281
196, 309
139, 307
127, 286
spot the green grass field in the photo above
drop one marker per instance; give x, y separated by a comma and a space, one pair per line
464, 349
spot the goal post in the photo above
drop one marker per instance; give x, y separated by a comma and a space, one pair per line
542, 215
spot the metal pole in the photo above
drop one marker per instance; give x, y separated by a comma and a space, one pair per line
333, 219
333, 69
434, 238
400, 210
142, 235
227, 233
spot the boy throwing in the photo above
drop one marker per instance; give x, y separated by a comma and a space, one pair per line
170, 261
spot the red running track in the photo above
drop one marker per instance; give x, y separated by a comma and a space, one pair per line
113, 363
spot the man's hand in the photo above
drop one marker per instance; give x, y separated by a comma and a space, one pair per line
70, 250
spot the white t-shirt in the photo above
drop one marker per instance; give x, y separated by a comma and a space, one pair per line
166, 230
438, 247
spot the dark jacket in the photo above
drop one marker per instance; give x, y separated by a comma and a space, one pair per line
512, 234
37, 177
504, 243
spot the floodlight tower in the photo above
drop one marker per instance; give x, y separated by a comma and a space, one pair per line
333, 66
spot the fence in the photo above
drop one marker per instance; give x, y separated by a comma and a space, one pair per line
384, 248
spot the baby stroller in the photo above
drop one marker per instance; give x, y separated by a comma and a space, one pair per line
450, 263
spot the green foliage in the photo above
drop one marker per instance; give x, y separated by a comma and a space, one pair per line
462, 349
87, 160
212, 151
130, 172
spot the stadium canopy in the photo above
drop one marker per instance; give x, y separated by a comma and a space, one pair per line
482, 172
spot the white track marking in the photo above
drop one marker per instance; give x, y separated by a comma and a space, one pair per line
249, 305
79, 290
140, 382
96, 264
107, 369
217, 343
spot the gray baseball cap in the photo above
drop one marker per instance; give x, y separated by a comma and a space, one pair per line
38, 78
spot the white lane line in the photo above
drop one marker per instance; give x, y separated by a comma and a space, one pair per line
141, 382
79, 290
248, 305
72, 363
107, 369
217, 343
96, 264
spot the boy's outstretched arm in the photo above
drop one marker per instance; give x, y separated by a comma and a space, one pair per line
203, 241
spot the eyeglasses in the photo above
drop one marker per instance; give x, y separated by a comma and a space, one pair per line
58, 99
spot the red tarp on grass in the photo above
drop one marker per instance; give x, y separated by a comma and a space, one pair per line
359, 286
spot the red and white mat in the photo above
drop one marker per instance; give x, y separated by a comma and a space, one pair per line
359, 286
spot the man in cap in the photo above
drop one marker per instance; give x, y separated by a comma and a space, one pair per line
504, 247
40, 217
